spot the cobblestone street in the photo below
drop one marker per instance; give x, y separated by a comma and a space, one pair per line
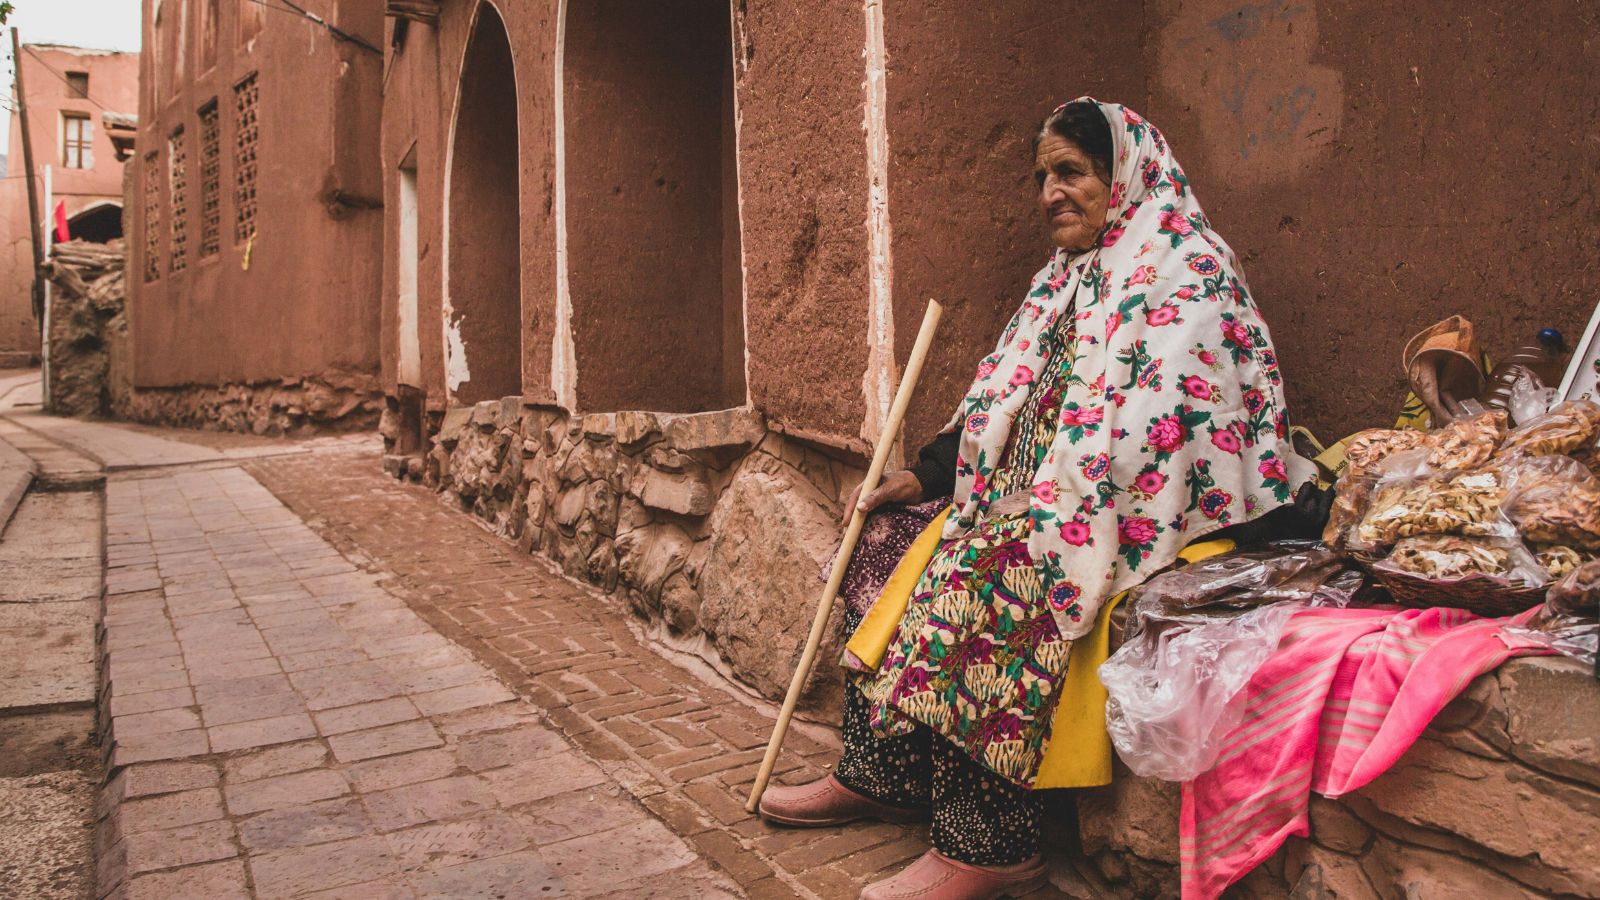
318, 681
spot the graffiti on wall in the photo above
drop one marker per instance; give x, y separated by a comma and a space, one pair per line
1249, 72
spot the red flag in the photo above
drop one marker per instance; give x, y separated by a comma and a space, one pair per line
62, 235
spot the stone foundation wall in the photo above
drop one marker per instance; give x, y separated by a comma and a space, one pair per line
333, 401
1500, 798
714, 530
88, 328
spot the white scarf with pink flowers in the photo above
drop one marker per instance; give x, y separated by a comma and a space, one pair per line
1173, 424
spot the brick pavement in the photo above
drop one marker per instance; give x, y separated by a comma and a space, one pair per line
687, 748
276, 723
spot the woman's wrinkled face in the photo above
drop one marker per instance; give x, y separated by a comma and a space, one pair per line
1072, 195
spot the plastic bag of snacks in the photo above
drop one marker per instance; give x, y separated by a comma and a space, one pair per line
1568, 428
1554, 500
1414, 499
1445, 557
1566, 623
1364, 455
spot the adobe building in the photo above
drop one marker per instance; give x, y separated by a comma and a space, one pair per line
254, 253
68, 90
650, 270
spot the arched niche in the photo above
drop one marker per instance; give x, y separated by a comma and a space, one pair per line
483, 320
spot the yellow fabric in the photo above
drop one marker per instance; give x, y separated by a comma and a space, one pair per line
1079, 752
871, 639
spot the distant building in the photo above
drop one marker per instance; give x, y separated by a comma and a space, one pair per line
68, 89
254, 239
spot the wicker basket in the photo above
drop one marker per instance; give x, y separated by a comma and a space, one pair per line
1482, 595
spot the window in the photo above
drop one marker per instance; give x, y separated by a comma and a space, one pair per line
78, 85
152, 218
210, 181
178, 185
77, 141
246, 134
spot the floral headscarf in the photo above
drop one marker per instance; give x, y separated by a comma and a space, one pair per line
1173, 424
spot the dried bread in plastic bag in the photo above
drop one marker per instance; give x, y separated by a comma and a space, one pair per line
1559, 560
1401, 507
1578, 593
1465, 443
1567, 428
1445, 557
1366, 449
1554, 500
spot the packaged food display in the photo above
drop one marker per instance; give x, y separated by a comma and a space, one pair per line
1568, 428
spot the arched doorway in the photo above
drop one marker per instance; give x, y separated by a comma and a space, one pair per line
483, 321
100, 223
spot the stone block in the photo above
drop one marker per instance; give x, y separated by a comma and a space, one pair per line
486, 413
769, 540
646, 556
1336, 827
509, 413
687, 495
631, 514
634, 427
1132, 815
455, 422
599, 426
388, 424
1553, 707
569, 508
667, 459
741, 427
680, 604
394, 465
1503, 807
588, 461
600, 505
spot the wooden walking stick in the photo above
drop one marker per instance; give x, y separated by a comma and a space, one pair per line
852, 533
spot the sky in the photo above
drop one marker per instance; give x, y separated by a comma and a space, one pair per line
103, 24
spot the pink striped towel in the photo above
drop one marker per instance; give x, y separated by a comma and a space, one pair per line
1344, 695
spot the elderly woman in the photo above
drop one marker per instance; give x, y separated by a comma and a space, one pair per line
1132, 406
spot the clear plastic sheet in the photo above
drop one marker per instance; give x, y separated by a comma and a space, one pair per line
1566, 623
1174, 685
1530, 399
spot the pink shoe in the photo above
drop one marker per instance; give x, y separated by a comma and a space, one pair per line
827, 802
935, 876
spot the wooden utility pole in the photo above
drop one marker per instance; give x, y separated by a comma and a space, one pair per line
33, 190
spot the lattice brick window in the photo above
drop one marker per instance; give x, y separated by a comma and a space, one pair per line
247, 135
152, 217
178, 183
210, 181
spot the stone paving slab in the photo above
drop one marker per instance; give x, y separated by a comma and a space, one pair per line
686, 747
279, 724
49, 602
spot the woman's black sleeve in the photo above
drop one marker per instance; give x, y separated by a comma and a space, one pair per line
936, 470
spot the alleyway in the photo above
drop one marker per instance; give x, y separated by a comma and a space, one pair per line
314, 678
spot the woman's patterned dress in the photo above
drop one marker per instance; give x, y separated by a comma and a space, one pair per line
978, 657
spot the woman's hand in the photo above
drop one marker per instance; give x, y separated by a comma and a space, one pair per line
896, 487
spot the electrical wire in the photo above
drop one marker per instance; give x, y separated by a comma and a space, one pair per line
294, 9
28, 49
